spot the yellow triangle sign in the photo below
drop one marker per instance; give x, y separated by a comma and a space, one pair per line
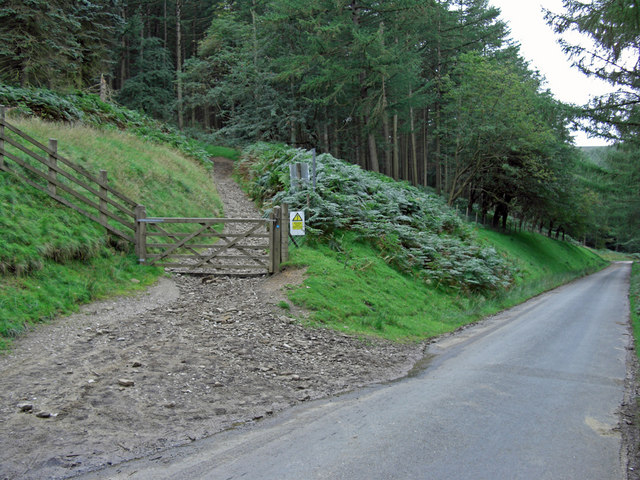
297, 218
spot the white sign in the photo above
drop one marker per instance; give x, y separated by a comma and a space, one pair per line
296, 223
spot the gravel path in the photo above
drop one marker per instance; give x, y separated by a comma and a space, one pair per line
190, 357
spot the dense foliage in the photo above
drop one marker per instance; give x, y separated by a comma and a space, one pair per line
412, 229
384, 85
612, 55
429, 91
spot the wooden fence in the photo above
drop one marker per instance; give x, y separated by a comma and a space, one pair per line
44, 168
204, 245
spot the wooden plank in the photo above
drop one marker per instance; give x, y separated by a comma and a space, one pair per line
285, 232
53, 165
276, 245
103, 203
67, 175
221, 267
245, 249
78, 168
271, 236
67, 203
204, 220
261, 246
186, 239
67, 189
141, 248
225, 257
169, 235
227, 246
205, 235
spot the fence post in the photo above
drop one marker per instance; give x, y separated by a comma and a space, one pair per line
276, 240
53, 161
285, 232
271, 235
2, 119
141, 234
103, 196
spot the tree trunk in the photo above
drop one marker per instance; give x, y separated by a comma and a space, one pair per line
123, 60
396, 149
325, 131
336, 144
388, 154
414, 147
373, 153
425, 147
207, 118
166, 36
179, 62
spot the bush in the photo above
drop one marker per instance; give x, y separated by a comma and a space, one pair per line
412, 229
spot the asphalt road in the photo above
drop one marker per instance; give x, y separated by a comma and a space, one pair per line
532, 394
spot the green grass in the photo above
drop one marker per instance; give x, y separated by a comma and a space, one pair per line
540, 262
611, 256
634, 301
226, 152
351, 289
159, 177
59, 288
52, 258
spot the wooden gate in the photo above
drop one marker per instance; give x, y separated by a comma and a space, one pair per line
213, 245
194, 245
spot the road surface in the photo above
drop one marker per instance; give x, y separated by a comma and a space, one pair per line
531, 393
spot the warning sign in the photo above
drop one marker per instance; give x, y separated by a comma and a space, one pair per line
296, 223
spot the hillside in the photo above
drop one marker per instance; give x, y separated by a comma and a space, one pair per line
194, 356
53, 258
389, 259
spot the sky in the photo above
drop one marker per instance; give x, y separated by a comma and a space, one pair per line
538, 44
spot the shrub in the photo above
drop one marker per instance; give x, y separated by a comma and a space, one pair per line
412, 229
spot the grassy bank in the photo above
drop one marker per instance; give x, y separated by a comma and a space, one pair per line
52, 258
540, 263
351, 288
389, 259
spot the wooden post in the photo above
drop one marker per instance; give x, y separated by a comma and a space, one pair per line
103, 196
285, 232
141, 234
271, 241
276, 239
53, 146
2, 118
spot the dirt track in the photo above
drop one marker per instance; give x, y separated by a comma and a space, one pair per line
189, 358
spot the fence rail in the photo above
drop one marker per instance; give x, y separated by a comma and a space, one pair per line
45, 169
218, 244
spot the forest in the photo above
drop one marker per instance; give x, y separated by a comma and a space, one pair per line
433, 92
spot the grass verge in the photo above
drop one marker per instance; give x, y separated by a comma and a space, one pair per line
351, 289
60, 288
